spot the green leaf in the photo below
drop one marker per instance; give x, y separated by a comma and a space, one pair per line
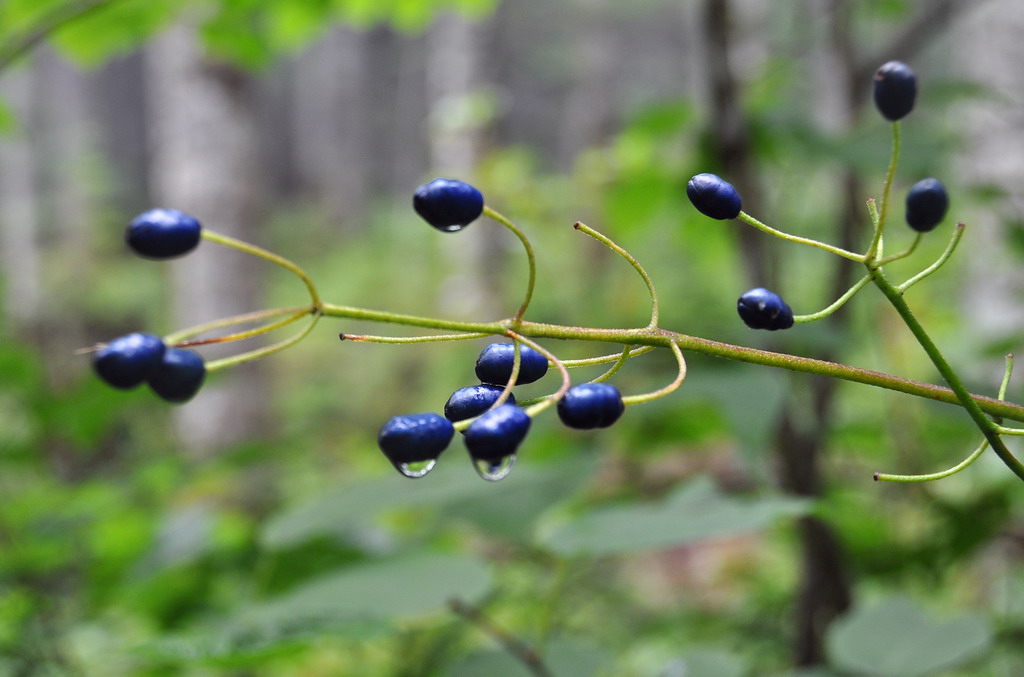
93, 38
896, 639
565, 657
694, 512
358, 601
707, 663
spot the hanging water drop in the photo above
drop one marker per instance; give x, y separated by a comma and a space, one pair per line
494, 470
417, 469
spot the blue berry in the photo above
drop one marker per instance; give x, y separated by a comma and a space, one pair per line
414, 438
714, 197
591, 405
129, 360
763, 309
472, 401
497, 433
179, 376
494, 365
448, 204
927, 203
163, 233
895, 90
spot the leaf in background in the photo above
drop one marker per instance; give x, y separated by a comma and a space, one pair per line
694, 512
509, 508
750, 400
93, 38
896, 639
706, 663
357, 601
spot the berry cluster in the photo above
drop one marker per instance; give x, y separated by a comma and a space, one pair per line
492, 421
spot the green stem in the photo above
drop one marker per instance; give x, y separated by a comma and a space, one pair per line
433, 338
670, 388
931, 477
905, 253
606, 241
958, 233
838, 251
623, 358
241, 335
839, 303
246, 318
650, 336
262, 253
605, 359
531, 259
226, 362
890, 174
964, 397
535, 409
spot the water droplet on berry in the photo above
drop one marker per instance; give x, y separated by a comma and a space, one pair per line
452, 228
492, 471
417, 469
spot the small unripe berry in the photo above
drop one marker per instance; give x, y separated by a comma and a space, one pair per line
895, 90
714, 197
927, 203
179, 376
494, 365
129, 360
497, 433
448, 204
591, 405
763, 309
473, 400
414, 438
163, 233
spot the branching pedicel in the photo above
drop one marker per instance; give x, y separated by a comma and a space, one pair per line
493, 423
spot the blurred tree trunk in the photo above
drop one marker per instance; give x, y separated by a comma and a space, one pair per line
206, 162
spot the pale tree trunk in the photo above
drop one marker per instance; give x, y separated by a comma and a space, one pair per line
454, 75
205, 161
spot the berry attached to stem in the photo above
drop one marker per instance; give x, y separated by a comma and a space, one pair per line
497, 433
163, 234
448, 204
927, 202
763, 309
591, 405
412, 440
472, 401
895, 90
494, 365
714, 197
129, 360
179, 376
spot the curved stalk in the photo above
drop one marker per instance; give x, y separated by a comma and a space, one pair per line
670, 388
262, 253
607, 242
530, 258
838, 251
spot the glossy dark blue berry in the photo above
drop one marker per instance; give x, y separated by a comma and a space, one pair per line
763, 309
927, 203
448, 204
591, 405
895, 90
714, 197
494, 365
179, 376
497, 433
163, 233
414, 438
129, 360
472, 401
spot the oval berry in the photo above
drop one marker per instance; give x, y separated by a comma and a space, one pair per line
472, 401
927, 203
895, 90
163, 233
129, 360
413, 438
763, 309
497, 433
448, 204
179, 376
714, 197
494, 365
591, 405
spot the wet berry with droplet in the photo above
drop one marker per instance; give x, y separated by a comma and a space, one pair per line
129, 360
494, 365
497, 433
448, 204
179, 376
927, 202
763, 309
163, 233
591, 405
472, 401
413, 438
895, 89
714, 197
